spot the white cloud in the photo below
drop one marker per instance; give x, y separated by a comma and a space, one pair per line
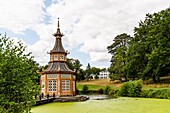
99, 56
100, 21
90, 25
19, 15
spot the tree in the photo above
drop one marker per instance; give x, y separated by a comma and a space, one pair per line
95, 70
118, 50
96, 76
18, 77
81, 75
148, 54
135, 60
88, 71
85, 89
41, 68
74, 64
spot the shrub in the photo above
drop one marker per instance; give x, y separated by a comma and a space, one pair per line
111, 92
96, 76
100, 91
131, 89
85, 89
77, 91
156, 93
106, 90
124, 89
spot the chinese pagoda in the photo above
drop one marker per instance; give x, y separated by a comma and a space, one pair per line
58, 79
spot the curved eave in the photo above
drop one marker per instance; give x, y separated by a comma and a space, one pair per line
54, 72
53, 52
58, 67
57, 61
58, 33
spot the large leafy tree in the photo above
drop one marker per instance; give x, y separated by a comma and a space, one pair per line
18, 77
118, 50
149, 51
135, 60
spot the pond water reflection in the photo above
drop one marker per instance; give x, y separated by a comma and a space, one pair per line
98, 97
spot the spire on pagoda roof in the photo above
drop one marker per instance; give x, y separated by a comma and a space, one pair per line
58, 47
58, 33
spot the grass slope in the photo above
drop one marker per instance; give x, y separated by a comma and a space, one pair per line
101, 83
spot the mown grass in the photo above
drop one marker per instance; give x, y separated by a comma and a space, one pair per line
90, 87
120, 105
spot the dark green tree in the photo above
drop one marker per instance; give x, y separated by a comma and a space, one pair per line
118, 50
88, 72
149, 51
18, 77
96, 76
85, 89
81, 75
74, 64
95, 70
41, 68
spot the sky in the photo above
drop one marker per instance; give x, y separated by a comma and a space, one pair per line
89, 26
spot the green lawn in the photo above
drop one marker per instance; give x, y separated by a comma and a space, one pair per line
120, 105
91, 87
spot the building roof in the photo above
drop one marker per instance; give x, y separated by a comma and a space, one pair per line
58, 67
58, 47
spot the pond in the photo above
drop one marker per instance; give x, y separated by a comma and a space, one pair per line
119, 105
98, 97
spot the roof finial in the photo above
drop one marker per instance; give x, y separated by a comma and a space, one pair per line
58, 23
58, 31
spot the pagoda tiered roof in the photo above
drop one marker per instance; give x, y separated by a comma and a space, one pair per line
58, 66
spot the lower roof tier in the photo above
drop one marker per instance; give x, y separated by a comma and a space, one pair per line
58, 67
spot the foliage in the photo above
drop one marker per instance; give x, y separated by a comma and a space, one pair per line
100, 91
96, 76
74, 64
115, 77
107, 90
77, 91
88, 72
85, 89
148, 55
131, 89
95, 70
81, 75
156, 93
118, 50
18, 77
41, 68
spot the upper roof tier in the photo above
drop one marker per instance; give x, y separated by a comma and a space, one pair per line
58, 47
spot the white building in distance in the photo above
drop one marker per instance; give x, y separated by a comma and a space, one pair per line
104, 74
